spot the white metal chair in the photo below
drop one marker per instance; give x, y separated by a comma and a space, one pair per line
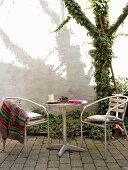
34, 118
115, 114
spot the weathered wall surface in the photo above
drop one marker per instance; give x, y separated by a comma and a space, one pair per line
35, 62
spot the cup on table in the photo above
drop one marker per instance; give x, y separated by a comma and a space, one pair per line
50, 97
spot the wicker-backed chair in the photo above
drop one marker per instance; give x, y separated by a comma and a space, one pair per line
115, 114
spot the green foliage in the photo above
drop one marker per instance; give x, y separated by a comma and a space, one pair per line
102, 42
96, 133
122, 85
102, 35
63, 23
55, 125
73, 126
75, 11
73, 123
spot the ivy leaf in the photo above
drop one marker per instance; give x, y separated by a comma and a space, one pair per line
62, 24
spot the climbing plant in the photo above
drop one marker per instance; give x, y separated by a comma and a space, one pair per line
103, 35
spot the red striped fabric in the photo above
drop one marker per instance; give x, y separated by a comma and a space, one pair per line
12, 120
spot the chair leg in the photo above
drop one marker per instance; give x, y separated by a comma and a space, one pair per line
125, 130
109, 134
81, 134
4, 143
48, 133
105, 142
25, 142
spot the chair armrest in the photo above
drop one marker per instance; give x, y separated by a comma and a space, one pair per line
27, 100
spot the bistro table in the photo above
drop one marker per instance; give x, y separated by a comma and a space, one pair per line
65, 146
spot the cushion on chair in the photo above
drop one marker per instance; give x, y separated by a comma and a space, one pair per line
102, 118
96, 118
34, 116
34, 119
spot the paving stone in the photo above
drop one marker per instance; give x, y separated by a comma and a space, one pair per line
66, 154
20, 160
53, 152
3, 156
118, 156
41, 158
51, 169
122, 148
33, 157
110, 159
77, 168
91, 150
102, 168
53, 164
75, 156
76, 163
11, 158
17, 167
30, 163
87, 160
85, 154
96, 156
113, 166
54, 157
65, 167
123, 162
7, 164
125, 168
99, 162
65, 160
40, 166
124, 153
89, 167
28, 168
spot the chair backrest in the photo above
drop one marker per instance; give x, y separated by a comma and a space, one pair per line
121, 101
24, 103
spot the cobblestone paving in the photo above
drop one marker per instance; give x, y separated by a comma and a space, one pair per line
40, 158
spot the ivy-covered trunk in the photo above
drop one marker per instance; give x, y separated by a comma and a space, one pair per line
102, 34
102, 54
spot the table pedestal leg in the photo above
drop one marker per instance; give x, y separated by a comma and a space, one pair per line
71, 148
65, 146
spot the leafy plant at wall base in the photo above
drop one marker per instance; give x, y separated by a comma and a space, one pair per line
122, 83
73, 126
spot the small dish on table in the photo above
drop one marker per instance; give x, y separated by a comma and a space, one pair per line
53, 101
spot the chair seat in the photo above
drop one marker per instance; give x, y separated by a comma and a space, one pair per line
102, 118
34, 116
34, 119
35, 122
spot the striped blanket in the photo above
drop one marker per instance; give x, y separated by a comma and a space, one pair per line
12, 121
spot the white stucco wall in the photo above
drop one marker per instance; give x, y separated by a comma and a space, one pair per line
35, 61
